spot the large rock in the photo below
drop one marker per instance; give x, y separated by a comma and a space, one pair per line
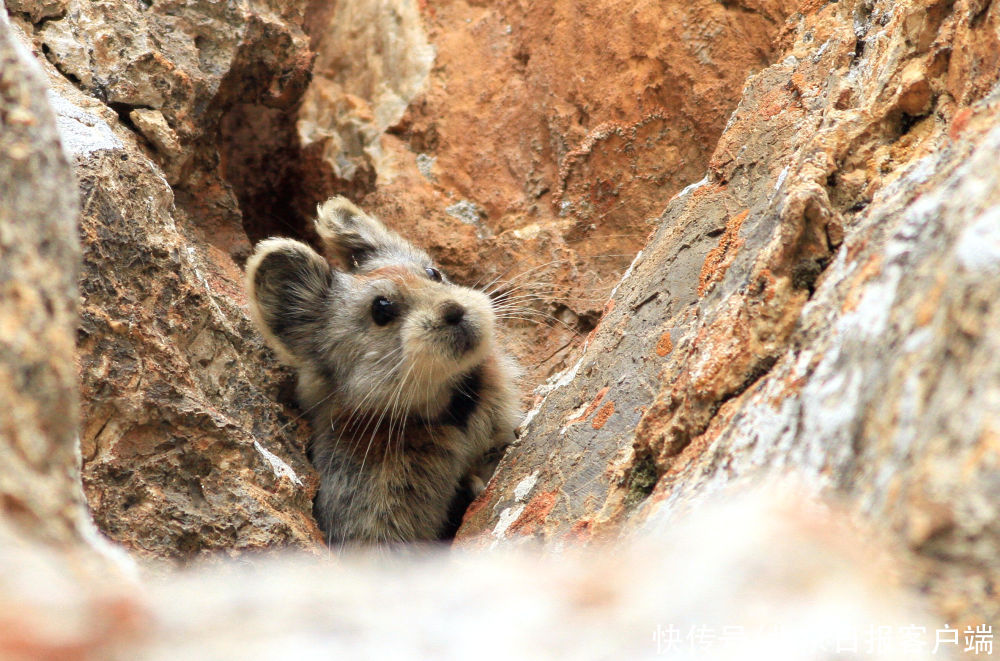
39, 264
527, 142
821, 304
814, 598
184, 445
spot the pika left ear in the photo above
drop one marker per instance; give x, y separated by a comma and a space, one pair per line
357, 238
289, 285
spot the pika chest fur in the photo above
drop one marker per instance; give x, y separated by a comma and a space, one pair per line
411, 400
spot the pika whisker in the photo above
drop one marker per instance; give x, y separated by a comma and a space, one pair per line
409, 396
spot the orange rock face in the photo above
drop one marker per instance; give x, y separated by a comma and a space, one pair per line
542, 143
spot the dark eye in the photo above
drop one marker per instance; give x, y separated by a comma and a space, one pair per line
384, 311
433, 273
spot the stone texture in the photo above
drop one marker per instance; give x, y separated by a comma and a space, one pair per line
184, 445
818, 308
539, 145
182, 74
39, 263
820, 305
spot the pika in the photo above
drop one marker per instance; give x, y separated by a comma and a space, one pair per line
410, 398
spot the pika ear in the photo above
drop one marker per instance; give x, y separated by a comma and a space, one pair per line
288, 285
354, 236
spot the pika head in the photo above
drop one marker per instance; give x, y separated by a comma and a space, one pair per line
398, 370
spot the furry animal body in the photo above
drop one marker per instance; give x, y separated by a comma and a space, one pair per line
411, 400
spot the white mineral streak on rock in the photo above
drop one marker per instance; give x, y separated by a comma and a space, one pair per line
978, 247
525, 486
690, 188
508, 516
280, 468
81, 132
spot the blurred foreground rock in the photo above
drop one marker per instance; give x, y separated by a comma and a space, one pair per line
822, 304
39, 264
816, 595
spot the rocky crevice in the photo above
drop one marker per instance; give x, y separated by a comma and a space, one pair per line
816, 307
764, 326
506, 166
232, 132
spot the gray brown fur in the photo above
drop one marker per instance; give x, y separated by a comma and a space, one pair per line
405, 413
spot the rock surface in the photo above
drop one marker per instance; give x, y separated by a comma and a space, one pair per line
185, 449
642, 601
821, 305
39, 263
527, 142
818, 308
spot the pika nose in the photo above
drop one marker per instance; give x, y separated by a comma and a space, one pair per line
452, 313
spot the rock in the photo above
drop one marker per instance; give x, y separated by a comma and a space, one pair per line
820, 305
818, 592
185, 448
540, 143
185, 74
39, 264
154, 128
38, 9
174, 58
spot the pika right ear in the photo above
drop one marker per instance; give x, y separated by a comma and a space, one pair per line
354, 236
288, 284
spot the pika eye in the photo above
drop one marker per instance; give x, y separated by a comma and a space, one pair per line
384, 311
433, 273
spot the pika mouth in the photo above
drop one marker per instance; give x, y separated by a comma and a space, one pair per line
456, 329
460, 338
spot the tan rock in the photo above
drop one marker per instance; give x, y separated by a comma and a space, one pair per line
154, 128
185, 449
39, 263
38, 9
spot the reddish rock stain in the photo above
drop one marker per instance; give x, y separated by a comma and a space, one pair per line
535, 513
591, 407
665, 345
580, 531
476, 506
960, 121
719, 257
603, 415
